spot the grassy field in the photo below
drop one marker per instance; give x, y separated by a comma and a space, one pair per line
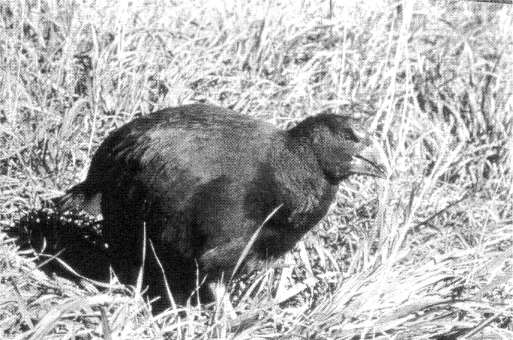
426, 253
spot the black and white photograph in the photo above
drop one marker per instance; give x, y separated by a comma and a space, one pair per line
260, 169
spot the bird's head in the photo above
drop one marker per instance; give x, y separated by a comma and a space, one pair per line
340, 148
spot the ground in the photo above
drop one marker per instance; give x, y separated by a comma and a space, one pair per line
424, 253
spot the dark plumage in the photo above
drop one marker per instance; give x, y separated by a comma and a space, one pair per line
202, 179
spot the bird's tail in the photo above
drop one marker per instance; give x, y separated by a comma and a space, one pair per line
78, 199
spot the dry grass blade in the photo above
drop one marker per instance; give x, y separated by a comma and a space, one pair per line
66, 266
168, 290
140, 275
22, 305
107, 333
484, 323
252, 240
47, 323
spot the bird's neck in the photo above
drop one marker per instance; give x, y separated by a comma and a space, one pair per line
302, 184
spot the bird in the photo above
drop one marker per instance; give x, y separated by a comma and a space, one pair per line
197, 183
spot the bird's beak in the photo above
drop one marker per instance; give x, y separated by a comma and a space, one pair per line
369, 161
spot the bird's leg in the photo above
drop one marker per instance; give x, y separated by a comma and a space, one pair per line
222, 299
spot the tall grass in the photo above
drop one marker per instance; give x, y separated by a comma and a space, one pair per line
430, 257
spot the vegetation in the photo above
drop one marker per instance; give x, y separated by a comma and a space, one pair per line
431, 257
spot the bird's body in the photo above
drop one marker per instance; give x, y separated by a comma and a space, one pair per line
199, 180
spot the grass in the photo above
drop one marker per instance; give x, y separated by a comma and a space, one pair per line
424, 254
